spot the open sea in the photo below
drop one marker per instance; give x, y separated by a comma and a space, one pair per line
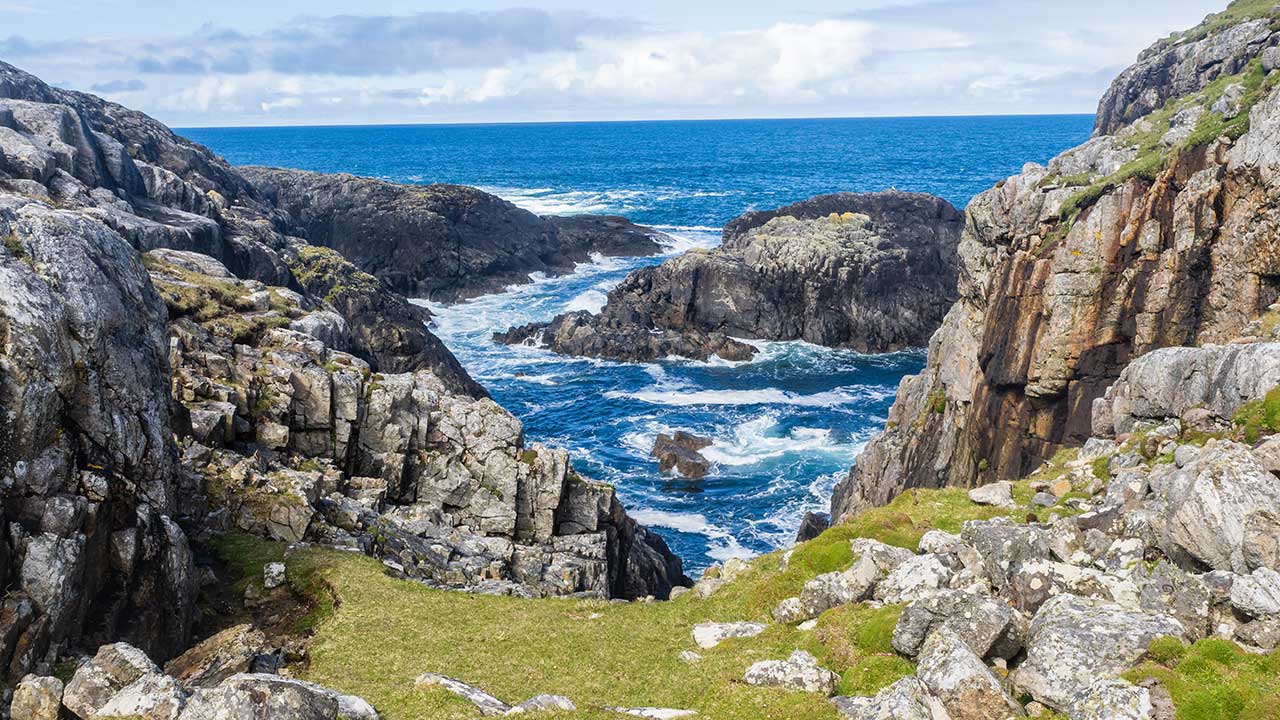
787, 425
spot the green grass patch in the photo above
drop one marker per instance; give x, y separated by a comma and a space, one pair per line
1258, 418
1213, 679
1237, 12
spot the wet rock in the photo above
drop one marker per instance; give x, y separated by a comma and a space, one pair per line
681, 453
887, 257
800, 673
813, 525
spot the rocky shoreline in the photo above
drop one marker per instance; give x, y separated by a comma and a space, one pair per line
872, 272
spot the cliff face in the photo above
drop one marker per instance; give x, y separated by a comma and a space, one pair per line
243, 377
1159, 231
872, 272
442, 242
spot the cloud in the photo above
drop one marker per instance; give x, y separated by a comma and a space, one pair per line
931, 57
119, 86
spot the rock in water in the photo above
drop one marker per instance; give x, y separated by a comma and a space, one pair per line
871, 272
680, 452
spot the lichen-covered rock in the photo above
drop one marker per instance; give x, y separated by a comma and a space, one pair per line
906, 699
872, 272
709, 635
98, 679
961, 682
800, 672
1114, 699
1074, 641
485, 703
271, 697
229, 652
1257, 595
1211, 503
988, 626
36, 698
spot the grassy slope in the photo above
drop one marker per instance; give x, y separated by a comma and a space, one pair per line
381, 633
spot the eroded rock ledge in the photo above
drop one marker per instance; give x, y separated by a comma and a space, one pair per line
874, 273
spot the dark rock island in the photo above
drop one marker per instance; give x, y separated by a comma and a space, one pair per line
874, 273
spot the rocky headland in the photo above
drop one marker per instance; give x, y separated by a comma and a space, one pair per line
1157, 232
441, 242
177, 360
871, 272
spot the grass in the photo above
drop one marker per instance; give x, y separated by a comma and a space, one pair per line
1237, 12
373, 634
1214, 679
1258, 418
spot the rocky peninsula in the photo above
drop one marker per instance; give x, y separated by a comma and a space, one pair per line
441, 242
871, 272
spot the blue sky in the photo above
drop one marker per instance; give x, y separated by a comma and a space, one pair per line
282, 62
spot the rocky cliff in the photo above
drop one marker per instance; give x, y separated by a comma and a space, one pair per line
440, 242
872, 272
174, 363
1160, 231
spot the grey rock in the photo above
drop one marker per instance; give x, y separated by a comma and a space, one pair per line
98, 679
1073, 641
226, 653
709, 635
268, 697
1114, 699
653, 713
961, 682
544, 703
151, 697
1004, 545
989, 627
906, 699
1258, 594
487, 704
999, 494
800, 673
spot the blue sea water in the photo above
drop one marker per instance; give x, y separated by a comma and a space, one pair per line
787, 425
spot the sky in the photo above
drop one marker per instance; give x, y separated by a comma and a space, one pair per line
286, 62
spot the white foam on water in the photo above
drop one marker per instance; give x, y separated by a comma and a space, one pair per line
549, 201
722, 545
755, 441
767, 396
592, 301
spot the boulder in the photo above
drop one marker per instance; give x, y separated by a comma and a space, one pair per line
111, 669
1004, 545
36, 698
961, 682
151, 697
1257, 595
989, 627
999, 494
906, 699
680, 452
1114, 699
229, 652
800, 673
1212, 502
1073, 641
920, 576
873, 561
271, 697
811, 526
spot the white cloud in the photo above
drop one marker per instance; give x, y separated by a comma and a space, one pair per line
944, 57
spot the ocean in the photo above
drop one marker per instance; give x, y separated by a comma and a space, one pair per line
787, 425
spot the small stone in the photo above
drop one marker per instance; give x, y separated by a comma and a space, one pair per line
690, 657
653, 713
1044, 499
484, 702
273, 575
544, 703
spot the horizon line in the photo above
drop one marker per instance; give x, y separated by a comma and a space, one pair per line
505, 123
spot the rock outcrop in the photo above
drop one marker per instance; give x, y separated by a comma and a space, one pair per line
440, 242
171, 364
1158, 232
872, 272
